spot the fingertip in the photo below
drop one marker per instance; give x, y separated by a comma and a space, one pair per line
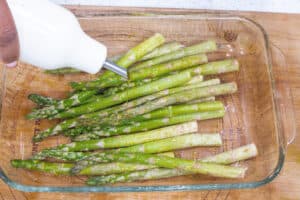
12, 64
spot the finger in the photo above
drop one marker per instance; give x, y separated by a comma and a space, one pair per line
9, 42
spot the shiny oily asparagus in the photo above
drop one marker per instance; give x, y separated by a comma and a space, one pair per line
95, 116
65, 168
238, 154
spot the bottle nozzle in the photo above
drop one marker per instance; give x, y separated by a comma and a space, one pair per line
115, 68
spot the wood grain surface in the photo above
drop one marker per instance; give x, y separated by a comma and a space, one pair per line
284, 32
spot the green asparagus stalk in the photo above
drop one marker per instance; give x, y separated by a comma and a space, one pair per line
206, 99
117, 167
204, 47
147, 125
65, 168
49, 111
180, 97
41, 100
195, 80
54, 168
126, 95
99, 169
241, 153
126, 85
70, 123
176, 143
217, 67
162, 50
165, 68
175, 110
129, 140
191, 166
108, 78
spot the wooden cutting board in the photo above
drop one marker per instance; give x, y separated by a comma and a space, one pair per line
284, 32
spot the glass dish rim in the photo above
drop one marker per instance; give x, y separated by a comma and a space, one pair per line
217, 186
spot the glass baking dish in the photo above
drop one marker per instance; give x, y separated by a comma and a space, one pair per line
259, 112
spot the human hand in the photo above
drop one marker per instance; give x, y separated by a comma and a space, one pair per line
9, 42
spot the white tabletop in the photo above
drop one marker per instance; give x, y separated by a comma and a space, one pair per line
283, 6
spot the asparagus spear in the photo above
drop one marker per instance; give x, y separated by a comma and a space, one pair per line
42, 100
104, 102
206, 99
217, 67
117, 167
235, 155
165, 68
162, 50
241, 153
54, 168
119, 108
203, 47
175, 110
65, 168
129, 140
175, 143
180, 97
157, 146
108, 78
148, 125
167, 162
49, 111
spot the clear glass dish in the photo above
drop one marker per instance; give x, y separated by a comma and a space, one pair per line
259, 112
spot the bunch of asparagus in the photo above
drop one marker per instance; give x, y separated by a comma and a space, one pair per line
127, 130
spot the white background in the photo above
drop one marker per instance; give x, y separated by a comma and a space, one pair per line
283, 6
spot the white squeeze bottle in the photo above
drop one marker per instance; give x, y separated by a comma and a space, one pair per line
50, 37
